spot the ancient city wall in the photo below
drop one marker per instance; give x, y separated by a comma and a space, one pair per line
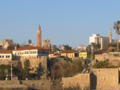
102, 57
80, 80
31, 84
105, 79
42, 84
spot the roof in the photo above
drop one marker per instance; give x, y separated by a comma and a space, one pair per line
5, 51
68, 51
51, 52
31, 47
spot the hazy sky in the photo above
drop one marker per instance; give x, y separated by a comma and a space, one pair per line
63, 21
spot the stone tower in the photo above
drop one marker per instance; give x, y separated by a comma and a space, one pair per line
110, 35
39, 36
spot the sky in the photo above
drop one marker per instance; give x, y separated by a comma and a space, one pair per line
62, 21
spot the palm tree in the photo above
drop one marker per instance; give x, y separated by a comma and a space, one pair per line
117, 27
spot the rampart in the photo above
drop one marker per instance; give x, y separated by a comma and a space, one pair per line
31, 85
105, 79
81, 80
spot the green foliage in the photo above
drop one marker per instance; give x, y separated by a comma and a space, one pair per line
67, 47
29, 41
4, 71
26, 67
117, 27
95, 46
65, 67
68, 59
54, 48
103, 64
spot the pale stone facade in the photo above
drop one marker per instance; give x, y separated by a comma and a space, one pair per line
80, 80
46, 43
68, 53
105, 79
6, 43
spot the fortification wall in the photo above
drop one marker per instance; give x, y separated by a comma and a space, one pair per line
80, 80
39, 84
31, 85
102, 57
105, 79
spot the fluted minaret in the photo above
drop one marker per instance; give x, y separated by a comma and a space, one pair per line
110, 35
39, 36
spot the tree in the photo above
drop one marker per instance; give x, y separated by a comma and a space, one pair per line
117, 27
54, 48
29, 41
26, 67
67, 47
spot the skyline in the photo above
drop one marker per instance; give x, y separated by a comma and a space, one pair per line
61, 21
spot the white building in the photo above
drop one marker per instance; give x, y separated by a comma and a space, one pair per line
94, 38
25, 52
97, 39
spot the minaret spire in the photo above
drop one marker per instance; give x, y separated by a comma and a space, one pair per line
110, 35
39, 36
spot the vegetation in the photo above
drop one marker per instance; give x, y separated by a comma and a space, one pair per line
117, 27
65, 67
67, 47
103, 64
54, 48
29, 41
4, 71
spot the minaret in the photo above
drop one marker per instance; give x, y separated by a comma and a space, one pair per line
39, 36
110, 36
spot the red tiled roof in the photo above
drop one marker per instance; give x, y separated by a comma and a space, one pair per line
57, 54
51, 52
31, 47
5, 51
68, 51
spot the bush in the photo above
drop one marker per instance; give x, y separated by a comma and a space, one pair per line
103, 64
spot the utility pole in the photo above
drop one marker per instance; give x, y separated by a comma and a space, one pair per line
11, 71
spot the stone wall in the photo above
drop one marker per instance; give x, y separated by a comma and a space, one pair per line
80, 80
35, 63
37, 84
102, 57
105, 79
31, 85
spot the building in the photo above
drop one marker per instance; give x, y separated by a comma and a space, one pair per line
97, 39
6, 55
53, 55
84, 55
103, 41
82, 48
6, 43
39, 37
94, 39
46, 43
30, 51
69, 53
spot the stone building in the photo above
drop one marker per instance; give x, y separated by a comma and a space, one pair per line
46, 43
6, 43
36, 55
